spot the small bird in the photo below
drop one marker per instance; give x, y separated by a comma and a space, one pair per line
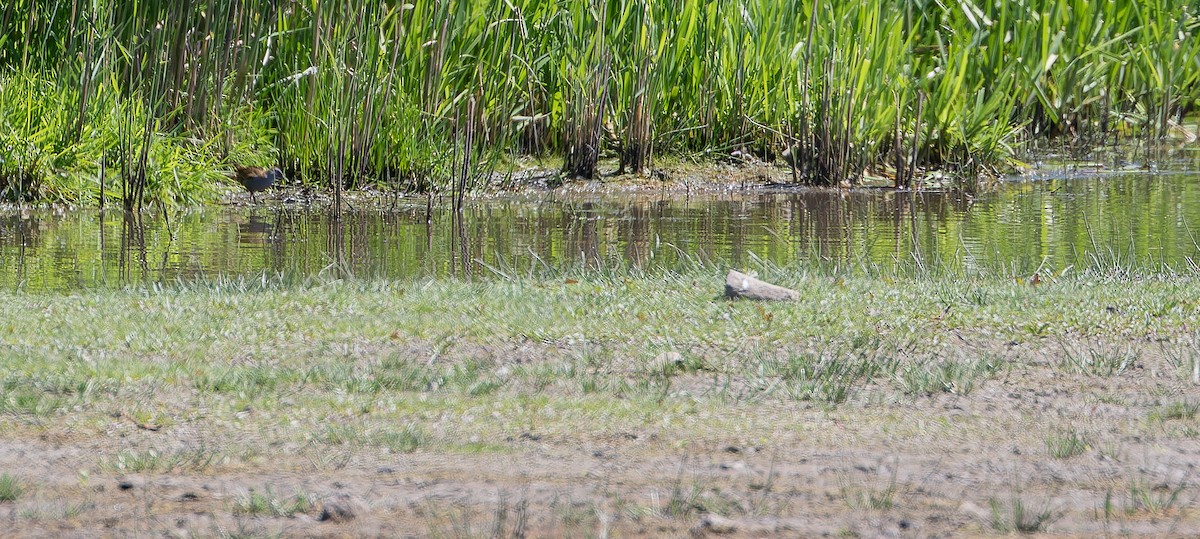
256, 179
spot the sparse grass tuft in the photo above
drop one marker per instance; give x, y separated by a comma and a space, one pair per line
56, 511
31, 401
1143, 498
462, 522
1178, 410
929, 377
246, 530
10, 488
869, 498
683, 501
267, 503
1097, 359
1158, 499
192, 460
406, 440
870, 495
1016, 516
1064, 445
827, 375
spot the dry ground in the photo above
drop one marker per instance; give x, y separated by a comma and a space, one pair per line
881, 465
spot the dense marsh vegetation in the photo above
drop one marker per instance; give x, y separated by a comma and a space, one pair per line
151, 101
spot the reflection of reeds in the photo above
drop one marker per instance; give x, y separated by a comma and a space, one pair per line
340, 93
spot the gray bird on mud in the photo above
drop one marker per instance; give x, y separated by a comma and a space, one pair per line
256, 179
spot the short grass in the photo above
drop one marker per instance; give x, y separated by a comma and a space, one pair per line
332, 374
325, 372
630, 343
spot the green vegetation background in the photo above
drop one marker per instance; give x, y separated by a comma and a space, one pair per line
152, 101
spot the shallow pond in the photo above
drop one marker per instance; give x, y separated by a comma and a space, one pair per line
1068, 221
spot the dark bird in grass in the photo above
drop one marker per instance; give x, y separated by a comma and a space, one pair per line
256, 179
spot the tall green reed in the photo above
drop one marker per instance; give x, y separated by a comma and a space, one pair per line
162, 96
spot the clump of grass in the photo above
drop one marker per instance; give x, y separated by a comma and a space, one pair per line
592, 384
10, 488
250, 380
695, 498
507, 520
1097, 360
691, 496
1016, 516
56, 511
1064, 445
945, 376
870, 495
1143, 498
267, 503
574, 514
669, 364
341, 434
684, 500
153, 461
406, 440
31, 401
1155, 499
1112, 451
823, 376
1184, 356
485, 386
1178, 410
869, 498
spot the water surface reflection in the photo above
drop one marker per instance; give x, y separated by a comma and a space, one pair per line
1139, 218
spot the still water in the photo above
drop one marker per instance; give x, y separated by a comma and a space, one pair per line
1145, 220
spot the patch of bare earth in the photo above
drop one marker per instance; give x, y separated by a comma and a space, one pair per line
1035, 449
